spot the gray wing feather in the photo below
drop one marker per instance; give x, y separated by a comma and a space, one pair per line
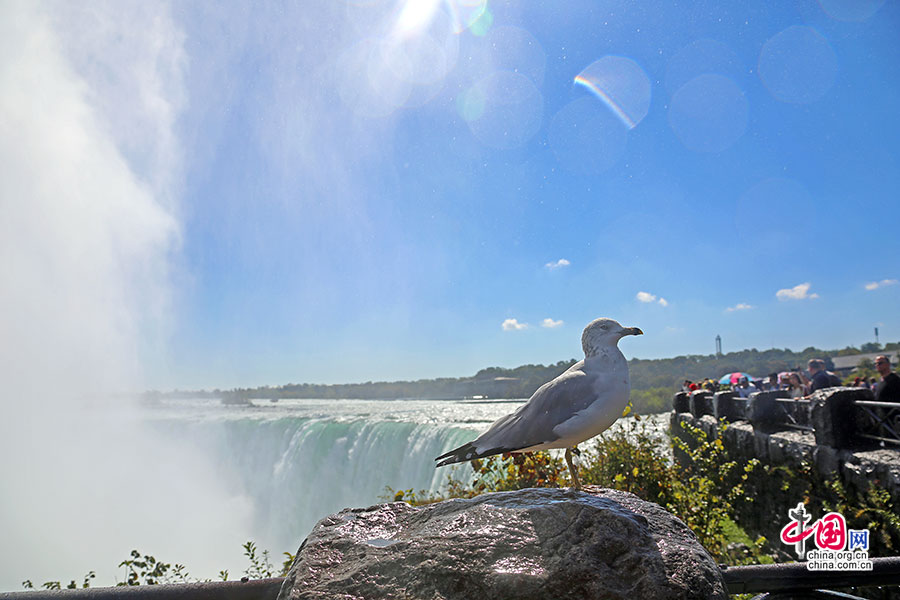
533, 422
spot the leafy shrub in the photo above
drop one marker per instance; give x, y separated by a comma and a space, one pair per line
702, 490
147, 570
144, 569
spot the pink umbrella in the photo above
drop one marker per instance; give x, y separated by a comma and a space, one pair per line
733, 378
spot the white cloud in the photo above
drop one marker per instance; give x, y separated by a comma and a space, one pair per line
798, 292
739, 306
513, 325
647, 298
551, 324
874, 285
556, 265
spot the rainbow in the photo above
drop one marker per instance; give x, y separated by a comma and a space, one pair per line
629, 123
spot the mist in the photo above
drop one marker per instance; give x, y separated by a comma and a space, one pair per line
88, 180
212, 196
107, 112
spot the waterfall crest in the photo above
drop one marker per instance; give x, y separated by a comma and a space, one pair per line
294, 470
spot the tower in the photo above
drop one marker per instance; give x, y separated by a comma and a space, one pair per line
718, 345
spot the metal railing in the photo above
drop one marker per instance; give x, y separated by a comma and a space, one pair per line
794, 413
780, 579
879, 421
256, 589
777, 580
849, 418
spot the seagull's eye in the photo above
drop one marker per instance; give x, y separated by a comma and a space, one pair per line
604, 327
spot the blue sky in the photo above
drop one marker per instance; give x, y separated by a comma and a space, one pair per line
381, 190
326, 244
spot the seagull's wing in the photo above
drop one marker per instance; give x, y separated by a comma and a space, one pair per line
553, 403
532, 423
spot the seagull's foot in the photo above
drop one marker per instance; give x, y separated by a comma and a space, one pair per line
576, 483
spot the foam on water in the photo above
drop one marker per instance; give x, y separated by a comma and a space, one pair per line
300, 460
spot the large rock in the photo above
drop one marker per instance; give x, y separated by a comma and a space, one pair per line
534, 543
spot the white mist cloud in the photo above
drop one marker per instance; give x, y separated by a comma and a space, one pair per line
513, 325
551, 324
136, 81
556, 265
798, 292
85, 242
739, 306
647, 298
88, 165
874, 285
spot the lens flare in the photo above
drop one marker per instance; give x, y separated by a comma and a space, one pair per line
504, 110
621, 84
585, 138
851, 10
470, 14
798, 65
709, 113
698, 58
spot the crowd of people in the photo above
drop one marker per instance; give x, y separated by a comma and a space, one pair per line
801, 384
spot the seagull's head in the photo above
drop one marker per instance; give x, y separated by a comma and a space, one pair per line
604, 332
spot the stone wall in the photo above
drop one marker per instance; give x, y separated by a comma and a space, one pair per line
819, 438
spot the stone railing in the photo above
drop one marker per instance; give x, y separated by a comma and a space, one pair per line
837, 434
841, 418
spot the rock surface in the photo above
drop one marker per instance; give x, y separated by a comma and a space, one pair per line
534, 543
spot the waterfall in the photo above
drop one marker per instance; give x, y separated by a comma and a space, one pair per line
294, 470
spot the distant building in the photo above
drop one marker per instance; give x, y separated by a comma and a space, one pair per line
493, 387
845, 364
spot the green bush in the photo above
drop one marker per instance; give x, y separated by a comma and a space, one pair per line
652, 400
144, 569
702, 491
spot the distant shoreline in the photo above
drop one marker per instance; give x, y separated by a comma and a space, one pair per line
652, 380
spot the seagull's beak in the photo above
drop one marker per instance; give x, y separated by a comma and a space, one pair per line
632, 331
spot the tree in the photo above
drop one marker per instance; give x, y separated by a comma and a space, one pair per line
864, 368
848, 351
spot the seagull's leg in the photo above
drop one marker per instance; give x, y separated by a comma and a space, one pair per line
575, 482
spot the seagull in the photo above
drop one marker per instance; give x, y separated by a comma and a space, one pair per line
579, 404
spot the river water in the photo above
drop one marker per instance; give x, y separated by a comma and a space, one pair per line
189, 481
296, 461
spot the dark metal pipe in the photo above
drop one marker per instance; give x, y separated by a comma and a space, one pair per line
878, 438
891, 405
800, 427
794, 576
739, 580
258, 589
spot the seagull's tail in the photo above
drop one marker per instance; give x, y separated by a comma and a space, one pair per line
461, 454
466, 452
